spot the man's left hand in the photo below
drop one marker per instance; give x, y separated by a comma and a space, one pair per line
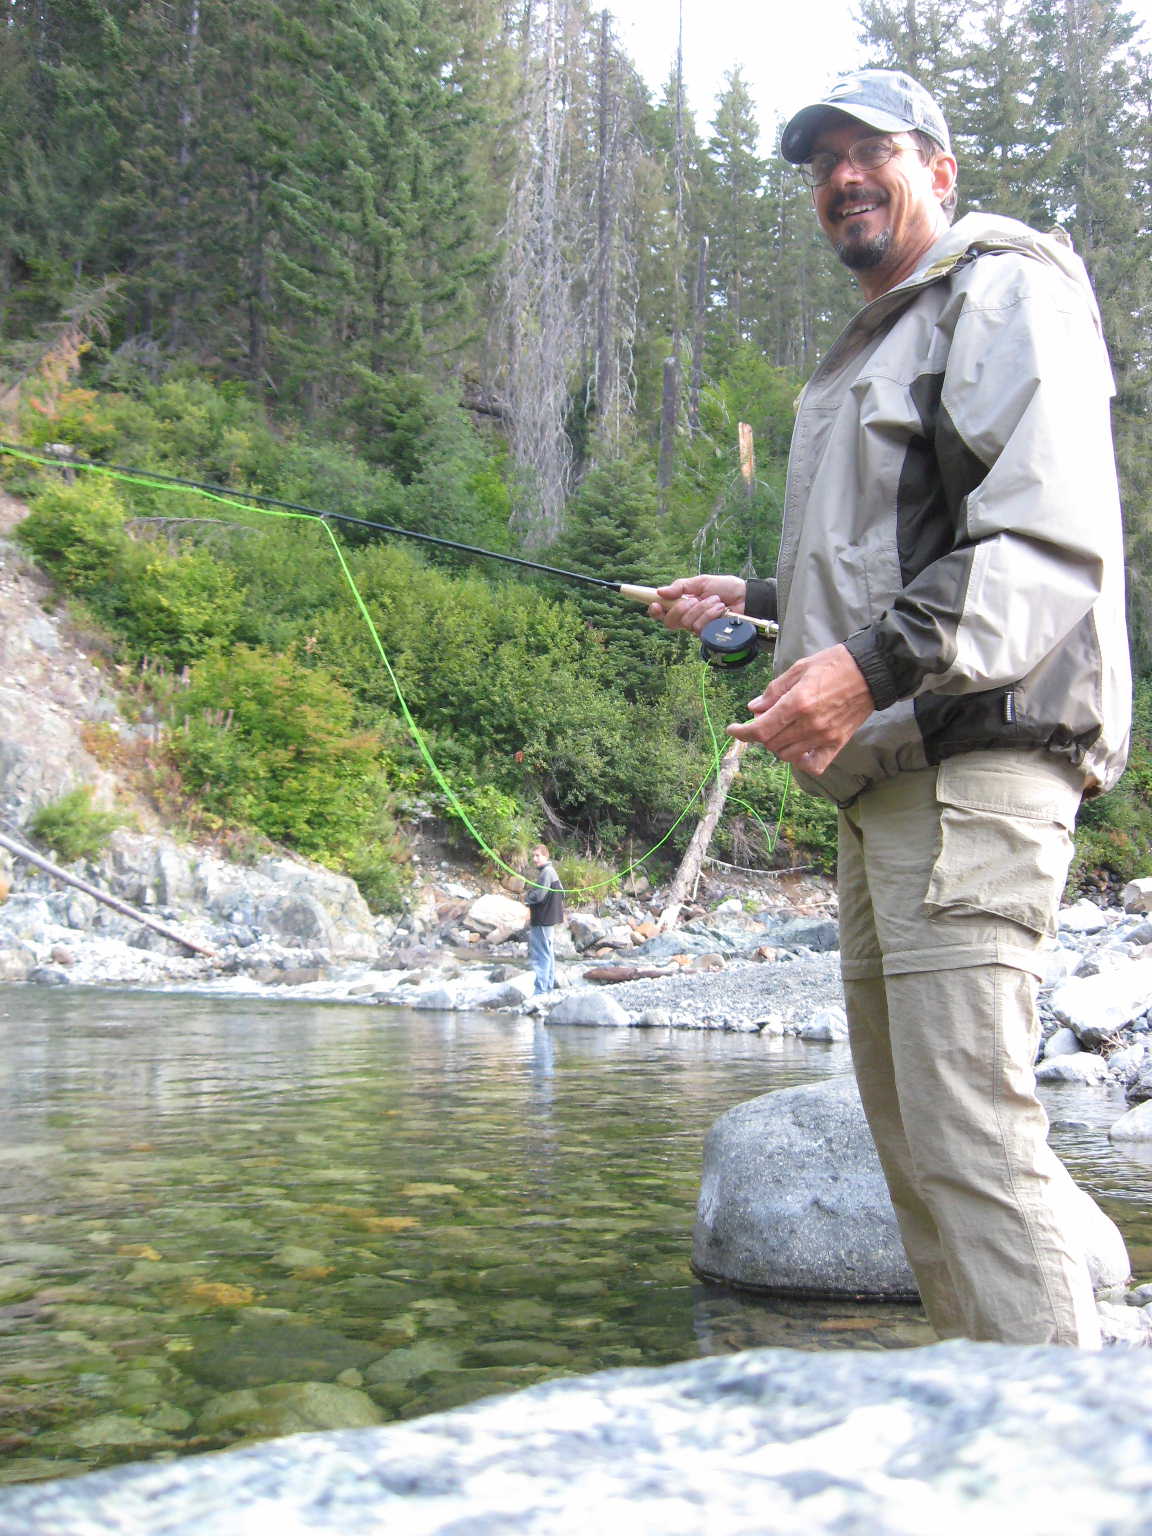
807, 714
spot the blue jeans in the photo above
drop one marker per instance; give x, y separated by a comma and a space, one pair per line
542, 958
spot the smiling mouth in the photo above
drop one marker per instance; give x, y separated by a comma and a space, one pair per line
854, 210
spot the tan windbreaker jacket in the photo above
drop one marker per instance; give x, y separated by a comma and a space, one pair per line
952, 515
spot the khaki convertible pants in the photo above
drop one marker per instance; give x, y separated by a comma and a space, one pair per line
949, 880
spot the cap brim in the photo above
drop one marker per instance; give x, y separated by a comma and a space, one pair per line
798, 136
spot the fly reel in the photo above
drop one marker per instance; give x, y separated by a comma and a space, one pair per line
729, 642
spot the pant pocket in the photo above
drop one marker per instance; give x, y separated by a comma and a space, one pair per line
1006, 838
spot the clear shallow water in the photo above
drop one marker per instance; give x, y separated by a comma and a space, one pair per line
201, 1195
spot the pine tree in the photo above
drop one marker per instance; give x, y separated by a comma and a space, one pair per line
735, 181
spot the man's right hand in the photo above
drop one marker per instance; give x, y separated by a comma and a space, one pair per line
693, 601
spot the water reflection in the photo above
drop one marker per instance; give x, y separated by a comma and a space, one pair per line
199, 1195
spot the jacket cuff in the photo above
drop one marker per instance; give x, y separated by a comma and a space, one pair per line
862, 648
760, 599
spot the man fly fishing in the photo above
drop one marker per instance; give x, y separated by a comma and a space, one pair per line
952, 670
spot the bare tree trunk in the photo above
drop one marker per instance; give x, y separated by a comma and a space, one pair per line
668, 414
188, 114
698, 310
686, 875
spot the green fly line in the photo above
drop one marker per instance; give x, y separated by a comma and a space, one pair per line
224, 498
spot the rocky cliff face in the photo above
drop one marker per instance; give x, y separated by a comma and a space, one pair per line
50, 691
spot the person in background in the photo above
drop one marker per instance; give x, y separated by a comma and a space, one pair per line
546, 904
952, 670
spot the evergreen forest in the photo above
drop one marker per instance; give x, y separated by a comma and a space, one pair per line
455, 268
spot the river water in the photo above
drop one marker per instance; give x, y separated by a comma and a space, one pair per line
200, 1195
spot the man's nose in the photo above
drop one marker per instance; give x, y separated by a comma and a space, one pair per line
844, 173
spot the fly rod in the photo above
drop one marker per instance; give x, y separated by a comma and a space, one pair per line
730, 641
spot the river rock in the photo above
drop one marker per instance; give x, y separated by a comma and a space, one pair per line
1137, 896
895, 1443
586, 930
1136, 1125
1082, 1067
495, 911
1083, 916
1095, 1007
588, 1007
288, 1408
1063, 1042
262, 1354
827, 1024
793, 1201
819, 934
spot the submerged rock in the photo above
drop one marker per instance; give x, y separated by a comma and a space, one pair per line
892, 1443
288, 1408
261, 1354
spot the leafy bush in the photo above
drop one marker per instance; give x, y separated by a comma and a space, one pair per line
1114, 832
72, 828
498, 818
271, 743
177, 606
587, 879
77, 532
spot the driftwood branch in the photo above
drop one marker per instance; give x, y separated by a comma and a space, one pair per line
21, 852
766, 874
689, 871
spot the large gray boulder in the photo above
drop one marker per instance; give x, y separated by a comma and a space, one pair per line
954, 1438
793, 1202
793, 1199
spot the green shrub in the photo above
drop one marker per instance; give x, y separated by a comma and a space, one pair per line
72, 828
499, 819
270, 743
76, 532
1114, 831
177, 606
586, 878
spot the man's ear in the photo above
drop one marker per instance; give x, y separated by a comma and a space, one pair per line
944, 171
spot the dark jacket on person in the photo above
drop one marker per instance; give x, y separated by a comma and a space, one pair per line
547, 904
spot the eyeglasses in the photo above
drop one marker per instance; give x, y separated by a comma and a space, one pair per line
865, 155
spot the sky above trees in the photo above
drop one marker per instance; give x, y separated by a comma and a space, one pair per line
787, 54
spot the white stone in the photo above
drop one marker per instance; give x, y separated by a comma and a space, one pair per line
1137, 896
1062, 1043
949, 1439
1124, 1325
1084, 917
1059, 963
590, 1006
1136, 1125
1104, 1003
496, 911
828, 1024
733, 907
1084, 1067
1128, 1060
586, 929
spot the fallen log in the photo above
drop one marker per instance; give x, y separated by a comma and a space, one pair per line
604, 974
31, 857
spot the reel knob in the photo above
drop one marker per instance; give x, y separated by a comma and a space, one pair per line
729, 642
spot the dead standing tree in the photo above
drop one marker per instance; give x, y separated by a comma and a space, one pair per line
539, 333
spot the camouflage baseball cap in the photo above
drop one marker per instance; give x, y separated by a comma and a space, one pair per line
885, 99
